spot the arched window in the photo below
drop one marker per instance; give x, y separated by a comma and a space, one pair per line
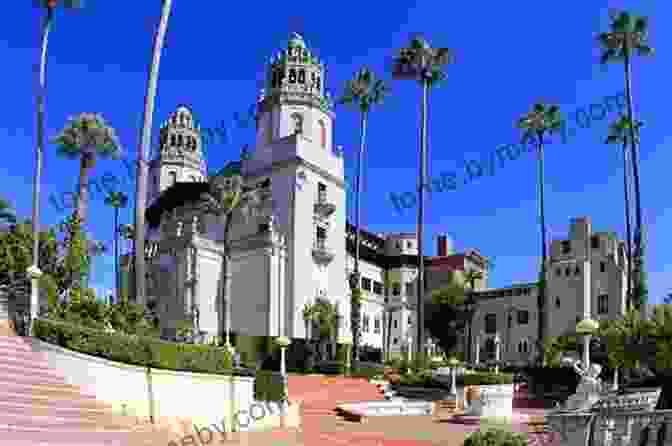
173, 140
180, 140
323, 133
298, 123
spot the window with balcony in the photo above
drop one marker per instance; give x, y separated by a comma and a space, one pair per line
491, 323
366, 284
523, 317
378, 288
603, 304
396, 289
566, 247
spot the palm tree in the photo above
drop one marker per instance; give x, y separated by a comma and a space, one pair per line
223, 200
87, 137
542, 120
619, 133
364, 91
7, 215
470, 277
628, 36
325, 315
34, 272
116, 200
420, 62
143, 155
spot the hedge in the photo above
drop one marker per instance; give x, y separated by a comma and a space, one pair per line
484, 379
135, 350
269, 386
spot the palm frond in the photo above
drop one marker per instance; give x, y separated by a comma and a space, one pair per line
88, 134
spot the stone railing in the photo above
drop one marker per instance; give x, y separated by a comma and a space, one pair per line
609, 427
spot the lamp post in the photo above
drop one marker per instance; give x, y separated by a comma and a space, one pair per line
453, 371
586, 328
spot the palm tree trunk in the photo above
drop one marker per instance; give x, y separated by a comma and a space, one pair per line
634, 158
226, 284
143, 155
541, 298
389, 332
422, 180
628, 230
116, 253
82, 189
356, 308
39, 153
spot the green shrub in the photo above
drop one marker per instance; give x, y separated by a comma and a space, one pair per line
365, 372
495, 437
420, 379
484, 379
269, 386
135, 350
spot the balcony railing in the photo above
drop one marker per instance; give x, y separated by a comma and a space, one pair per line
321, 252
323, 207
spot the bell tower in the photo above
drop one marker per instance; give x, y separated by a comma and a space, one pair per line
294, 100
180, 158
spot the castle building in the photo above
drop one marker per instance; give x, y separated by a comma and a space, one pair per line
586, 277
297, 249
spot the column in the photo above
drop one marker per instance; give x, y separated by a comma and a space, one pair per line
477, 352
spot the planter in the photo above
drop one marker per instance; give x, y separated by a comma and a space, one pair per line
491, 400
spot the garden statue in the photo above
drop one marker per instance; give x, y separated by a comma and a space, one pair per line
590, 388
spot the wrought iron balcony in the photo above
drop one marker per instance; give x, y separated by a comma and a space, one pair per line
321, 252
323, 207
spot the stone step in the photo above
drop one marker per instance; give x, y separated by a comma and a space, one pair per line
22, 436
15, 376
27, 362
59, 401
9, 368
57, 423
43, 389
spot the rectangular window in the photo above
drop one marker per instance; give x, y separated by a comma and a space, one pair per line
410, 321
523, 317
321, 233
376, 325
378, 288
396, 289
321, 192
603, 304
395, 324
603, 267
366, 284
491, 323
558, 272
409, 289
567, 272
566, 247
595, 242
365, 323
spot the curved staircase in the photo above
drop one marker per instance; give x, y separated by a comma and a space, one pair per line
39, 408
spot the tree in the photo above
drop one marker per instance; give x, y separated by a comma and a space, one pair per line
116, 200
668, 299
364, 91
446, 314
49, 5
86, 137
541, 120
225, 198
325, 316
619, 133
143, 154
7, 215
77, 260
628, 36
420, 62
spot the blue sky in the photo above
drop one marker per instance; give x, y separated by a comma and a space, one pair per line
509, 55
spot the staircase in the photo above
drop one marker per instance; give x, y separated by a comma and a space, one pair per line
39, 408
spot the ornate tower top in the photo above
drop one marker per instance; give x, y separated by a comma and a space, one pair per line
295, 73
180, 139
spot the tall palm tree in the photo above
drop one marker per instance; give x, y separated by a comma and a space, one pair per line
619, 133
470, 277
543, 119
116, 200
422, 63
627, 37
87, 137
7, 215
34, 273
143, 154
364, 91
223, 201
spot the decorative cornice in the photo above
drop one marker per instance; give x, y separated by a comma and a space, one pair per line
295, 161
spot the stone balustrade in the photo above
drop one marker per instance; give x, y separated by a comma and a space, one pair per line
613, 427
